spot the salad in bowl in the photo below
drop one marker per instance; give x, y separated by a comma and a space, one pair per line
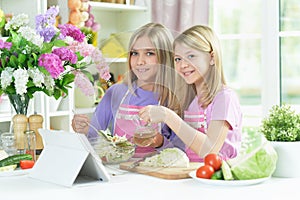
112, 149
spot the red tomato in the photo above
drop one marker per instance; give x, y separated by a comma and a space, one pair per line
213, 160
26, 164
205, 171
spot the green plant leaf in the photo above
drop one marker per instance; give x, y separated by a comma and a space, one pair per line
282, 124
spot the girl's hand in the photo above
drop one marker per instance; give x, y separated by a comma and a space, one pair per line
155, 141
80, 123
153, 114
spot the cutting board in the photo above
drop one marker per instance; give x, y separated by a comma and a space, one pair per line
172, 173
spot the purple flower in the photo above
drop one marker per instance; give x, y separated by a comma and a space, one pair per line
72, 31
52, 12
66, 54
45, 24
48, 33
52, 64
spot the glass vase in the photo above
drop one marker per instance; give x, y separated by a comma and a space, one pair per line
19, 104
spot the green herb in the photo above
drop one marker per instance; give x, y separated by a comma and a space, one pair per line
282, 124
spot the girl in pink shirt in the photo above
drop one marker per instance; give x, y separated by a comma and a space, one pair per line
213, 119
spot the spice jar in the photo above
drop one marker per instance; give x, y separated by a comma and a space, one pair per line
20, 122
36, 122
30, 143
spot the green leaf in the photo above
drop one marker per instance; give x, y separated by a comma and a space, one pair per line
282, 124
21, 58
256, 159
13, 61
88, 75
10, 89
47, 48
59, 43
68, 78
16, 38
43, 70
57, 93
3, 62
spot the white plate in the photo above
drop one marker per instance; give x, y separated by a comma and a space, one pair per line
227, 183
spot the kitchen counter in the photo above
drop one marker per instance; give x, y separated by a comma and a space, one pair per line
127, 185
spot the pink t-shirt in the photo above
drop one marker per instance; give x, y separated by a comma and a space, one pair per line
225, 106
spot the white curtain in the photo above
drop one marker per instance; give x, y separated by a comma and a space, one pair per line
179, 15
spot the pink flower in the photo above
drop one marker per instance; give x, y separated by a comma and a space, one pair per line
52, 64
6, 45
88, 50
66, 54
104, 73
72, 31
84, 84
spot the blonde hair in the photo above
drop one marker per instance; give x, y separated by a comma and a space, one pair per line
164, 85
203, 38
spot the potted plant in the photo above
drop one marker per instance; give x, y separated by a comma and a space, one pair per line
282, 128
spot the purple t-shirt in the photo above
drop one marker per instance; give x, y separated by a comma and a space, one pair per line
105, 113
225, 106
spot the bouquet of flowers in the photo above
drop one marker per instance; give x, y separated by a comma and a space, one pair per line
46, 59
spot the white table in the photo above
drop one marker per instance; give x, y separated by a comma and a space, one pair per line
136, 186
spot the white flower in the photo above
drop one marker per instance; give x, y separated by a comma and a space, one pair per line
49, 83
37, 77
21, 78
30, 35
17, 21
6, 77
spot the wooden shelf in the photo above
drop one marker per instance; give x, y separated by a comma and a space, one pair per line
85, 110
115, 60
59, 113
5, 117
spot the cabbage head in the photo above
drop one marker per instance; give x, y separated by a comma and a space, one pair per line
257, 157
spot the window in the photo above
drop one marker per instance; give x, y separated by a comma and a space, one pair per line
289, 50
238, 24
260, 41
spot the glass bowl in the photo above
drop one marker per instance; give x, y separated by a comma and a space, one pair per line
113, 152
144, 136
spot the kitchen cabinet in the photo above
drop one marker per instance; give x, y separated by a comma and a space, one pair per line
113, 18
121, 20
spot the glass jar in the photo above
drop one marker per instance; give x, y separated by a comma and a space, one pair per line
8, 143
30, 143
36, 122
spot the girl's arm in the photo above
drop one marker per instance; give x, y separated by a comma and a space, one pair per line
167, 139
200, 143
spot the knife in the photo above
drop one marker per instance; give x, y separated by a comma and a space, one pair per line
137, 162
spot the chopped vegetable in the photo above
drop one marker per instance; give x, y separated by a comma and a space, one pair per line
26, 164
226, 171
218, 175
14, 159
169, 157
8, 168
113, 149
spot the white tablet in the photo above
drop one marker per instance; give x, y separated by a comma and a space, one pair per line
67, 158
